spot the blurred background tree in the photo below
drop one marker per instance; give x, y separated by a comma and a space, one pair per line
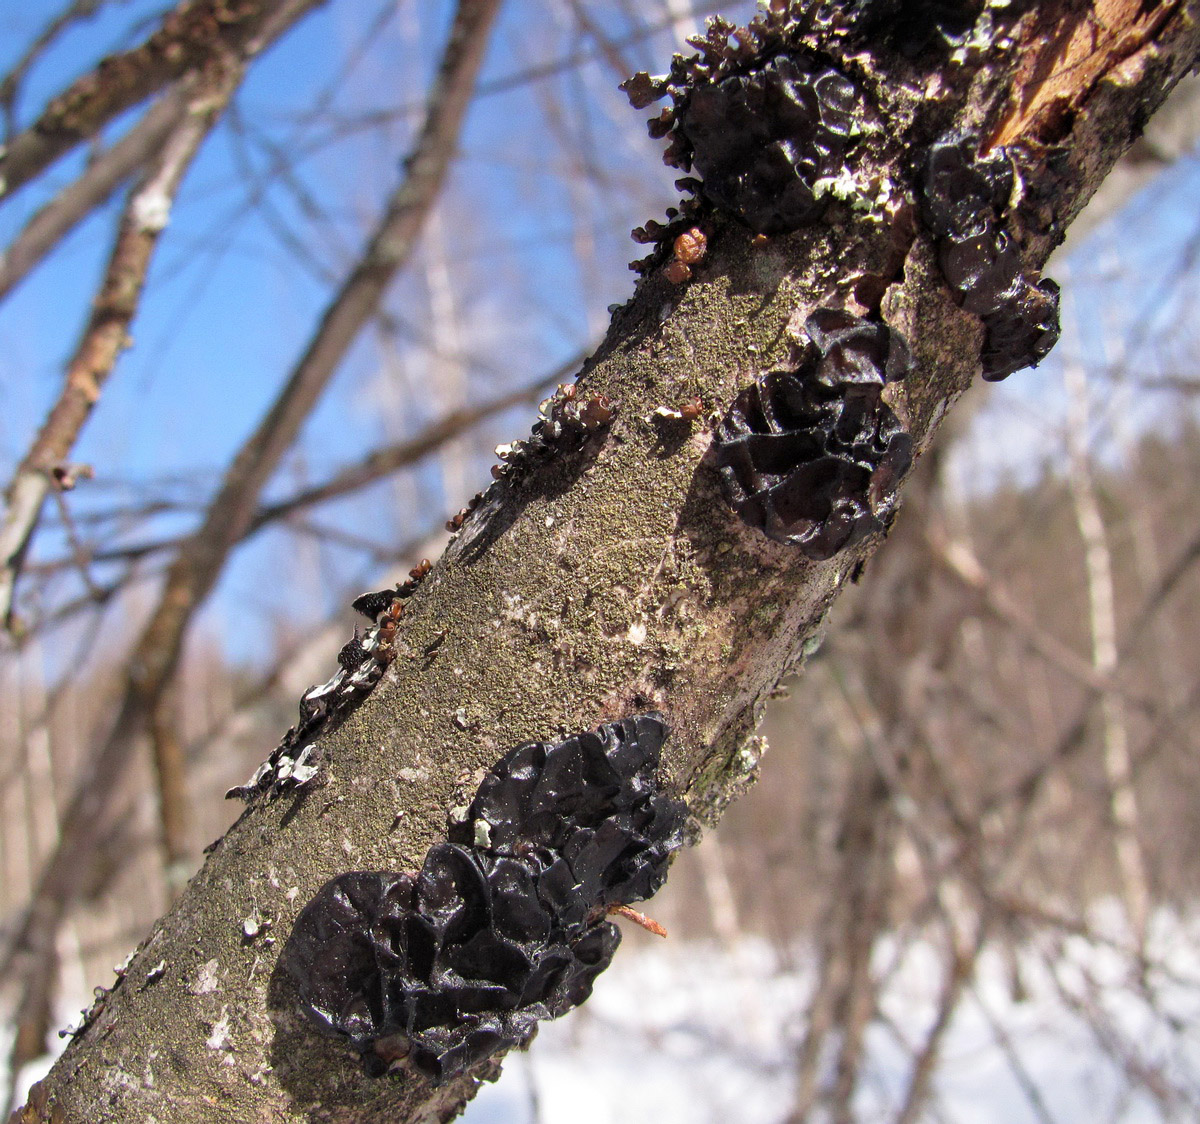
986, 815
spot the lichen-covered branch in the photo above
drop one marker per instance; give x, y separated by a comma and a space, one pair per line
612, 570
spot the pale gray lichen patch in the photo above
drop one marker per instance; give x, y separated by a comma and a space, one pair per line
207, 978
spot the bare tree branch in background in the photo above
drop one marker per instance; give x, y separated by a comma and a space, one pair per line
380, 463
193, 36
145, 216
1105, 657
95, 184
198, 562
376, 465
10, 84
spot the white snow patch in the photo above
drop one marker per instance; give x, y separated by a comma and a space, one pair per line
687, 1034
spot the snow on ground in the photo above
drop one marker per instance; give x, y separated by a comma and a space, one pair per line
687, 1033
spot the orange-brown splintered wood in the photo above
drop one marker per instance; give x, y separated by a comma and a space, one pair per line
647, 923
1079, 45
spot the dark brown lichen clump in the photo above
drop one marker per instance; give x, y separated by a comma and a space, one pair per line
813, 456
764, 123
763, 141
504, 925
966, 198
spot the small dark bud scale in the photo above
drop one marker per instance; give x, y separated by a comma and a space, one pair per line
813, 456
504, 925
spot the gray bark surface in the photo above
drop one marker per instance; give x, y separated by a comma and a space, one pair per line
601, 587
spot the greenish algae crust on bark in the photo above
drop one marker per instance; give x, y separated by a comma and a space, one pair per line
613, 580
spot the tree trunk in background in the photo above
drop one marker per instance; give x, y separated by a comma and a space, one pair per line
617, 580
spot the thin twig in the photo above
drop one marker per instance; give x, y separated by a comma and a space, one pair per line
959, 970
192, 37
107, 332
79, 552
1028, 1086
374, 466
349, 124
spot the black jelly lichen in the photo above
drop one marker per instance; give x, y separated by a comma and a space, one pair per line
764, 123
912, 27
294, 761
361, 664
504, 925
965, 200
375, 605
813, 456
762, 141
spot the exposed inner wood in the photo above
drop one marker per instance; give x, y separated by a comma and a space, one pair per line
1068, 49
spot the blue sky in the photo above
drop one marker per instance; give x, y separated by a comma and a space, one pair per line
526, 264
228, 305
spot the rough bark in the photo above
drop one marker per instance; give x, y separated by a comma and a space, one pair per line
612, 581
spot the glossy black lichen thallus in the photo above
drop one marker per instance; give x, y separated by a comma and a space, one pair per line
762, 140
812, 456
965, 202
504, 925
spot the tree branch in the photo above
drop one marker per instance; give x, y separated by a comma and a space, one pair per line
10, 84
105, 337
194, 36
57, 218
613, 577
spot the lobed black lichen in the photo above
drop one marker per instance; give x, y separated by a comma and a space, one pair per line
362, 661
763, 141
763, 122
504, 924
293, 762
813, 456
375, 605
567, 420
966, 197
